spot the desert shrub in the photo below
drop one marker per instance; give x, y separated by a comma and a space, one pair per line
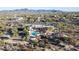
74, 42
70, 40
2, 43
65, 39
34, 42
50, 20
1, 33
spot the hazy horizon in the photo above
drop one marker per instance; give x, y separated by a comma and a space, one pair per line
46, 8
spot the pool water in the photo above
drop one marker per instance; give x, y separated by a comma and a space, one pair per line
35, 33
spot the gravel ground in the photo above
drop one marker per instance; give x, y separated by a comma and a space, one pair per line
25, 46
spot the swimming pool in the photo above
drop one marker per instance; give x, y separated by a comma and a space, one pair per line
35, 33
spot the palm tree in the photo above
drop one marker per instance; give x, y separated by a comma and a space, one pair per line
26, 30
15, 31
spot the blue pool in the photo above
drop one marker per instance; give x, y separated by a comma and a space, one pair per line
35, 33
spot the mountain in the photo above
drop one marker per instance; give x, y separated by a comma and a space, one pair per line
31, 10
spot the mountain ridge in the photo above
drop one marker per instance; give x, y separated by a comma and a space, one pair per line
31, 10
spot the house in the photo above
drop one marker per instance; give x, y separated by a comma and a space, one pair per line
39, 29
5, 37
16, 38
61, 20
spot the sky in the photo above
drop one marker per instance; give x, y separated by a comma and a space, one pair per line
46, 8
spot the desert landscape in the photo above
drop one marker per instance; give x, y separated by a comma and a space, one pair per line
39, 30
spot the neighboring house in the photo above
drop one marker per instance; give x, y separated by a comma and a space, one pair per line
5, 37
61, 20
16, 38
